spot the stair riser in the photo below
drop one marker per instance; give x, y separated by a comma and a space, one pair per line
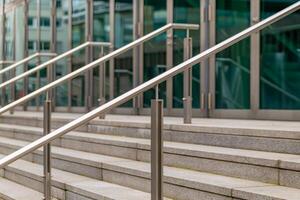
281, 145
34, 184
170, 190
227, 168
55, 123
287, 178
37, 184
140, 180
174, 191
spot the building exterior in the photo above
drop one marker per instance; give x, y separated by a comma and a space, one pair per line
257, 78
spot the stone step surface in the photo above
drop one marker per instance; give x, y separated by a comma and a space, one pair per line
67, 185
71, 186
10, 190
248, 164
179, 183
273, 136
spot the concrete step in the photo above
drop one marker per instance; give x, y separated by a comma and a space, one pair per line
272, 136
10, 190
68, 186
240, 163
179, 184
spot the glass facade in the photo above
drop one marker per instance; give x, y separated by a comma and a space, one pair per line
233, 64
78, 97
280, 59
123, 69
155, 16
186, 12
29, 27
62, 45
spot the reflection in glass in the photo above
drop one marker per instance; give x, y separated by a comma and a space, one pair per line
186, 12
233, 64
19, 53
280, 59
100, 33
62, 39
33, 39
45, 41
78, 59
1, 35
9, 50
155, 16
123, 77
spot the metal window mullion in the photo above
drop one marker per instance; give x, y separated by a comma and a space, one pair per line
255, 59
4, 55
141, 50
38, 78
205, 12
112, 41
51, 68
13, 72
169, 55
25, 67
212, 60
88, 56
136, 52
70, 58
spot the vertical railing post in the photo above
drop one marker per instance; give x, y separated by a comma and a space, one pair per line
156, 148
187, 81
12, 90
47, 150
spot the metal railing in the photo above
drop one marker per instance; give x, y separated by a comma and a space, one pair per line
52, 61
5, 62
156, 112
86, 67
10, 71
25, 60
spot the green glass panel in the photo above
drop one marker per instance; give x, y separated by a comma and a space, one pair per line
45, 41
280, 59
78, 59
186, 11
19, 52
32, 22
62, 38
100, 33
1, 36
9, 49
155, 16
123, 73
232, 64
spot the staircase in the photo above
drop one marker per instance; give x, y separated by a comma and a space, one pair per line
109, 159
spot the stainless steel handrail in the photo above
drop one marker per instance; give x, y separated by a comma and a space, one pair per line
89, 66
6, 62
49, 62
143, 87
15, 65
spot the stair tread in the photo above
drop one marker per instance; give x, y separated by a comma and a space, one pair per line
79, 184
271, 159
188, 178
14, 191
260, 128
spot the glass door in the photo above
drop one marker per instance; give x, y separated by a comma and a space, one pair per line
279, 87
166, 51
123, 34
230, 69
78, 27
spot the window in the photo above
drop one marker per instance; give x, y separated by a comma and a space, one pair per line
44, 45
45, 22
32, 22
